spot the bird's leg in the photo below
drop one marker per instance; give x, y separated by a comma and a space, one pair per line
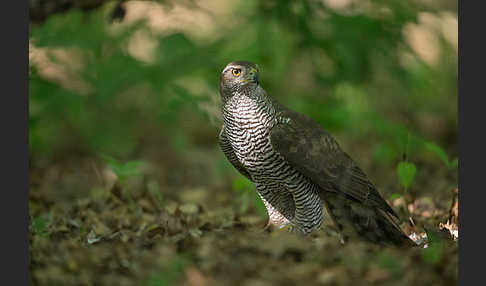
271, 200
308, 207
288, 227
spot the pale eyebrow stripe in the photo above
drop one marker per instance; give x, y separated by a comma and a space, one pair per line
231, 67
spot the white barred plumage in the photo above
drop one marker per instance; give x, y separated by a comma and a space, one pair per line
247, 124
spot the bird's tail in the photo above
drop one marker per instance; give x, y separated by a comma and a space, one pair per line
355, 219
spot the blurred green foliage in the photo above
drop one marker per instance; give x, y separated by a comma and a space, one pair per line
391, 263
435, 250
248, 196
124, 170
343, 68
442, 155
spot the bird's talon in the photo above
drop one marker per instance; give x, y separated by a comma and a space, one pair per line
287, 227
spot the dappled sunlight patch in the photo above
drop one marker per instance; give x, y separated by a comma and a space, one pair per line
60, 65
176, 17
142, 46
423, 41
424, 37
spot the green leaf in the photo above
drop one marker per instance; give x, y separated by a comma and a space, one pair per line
242, 183
245, 198
406, 172
131, 168
260, 206
437, 150
110, 160
454, 164
40, 225
395, 196
238, 184
244, 187
123, 170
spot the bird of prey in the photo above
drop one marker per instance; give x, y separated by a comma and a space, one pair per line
298, 169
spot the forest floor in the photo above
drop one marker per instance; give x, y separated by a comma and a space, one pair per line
178, 225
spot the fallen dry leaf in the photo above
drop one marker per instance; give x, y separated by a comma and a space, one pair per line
196, 277
451, 224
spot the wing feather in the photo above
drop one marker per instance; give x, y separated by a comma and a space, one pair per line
314, 153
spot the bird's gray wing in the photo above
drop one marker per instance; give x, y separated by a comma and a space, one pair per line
230, 154
314, 153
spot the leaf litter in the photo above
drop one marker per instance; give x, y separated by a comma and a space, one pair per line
201, 236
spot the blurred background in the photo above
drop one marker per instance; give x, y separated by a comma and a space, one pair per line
127, 181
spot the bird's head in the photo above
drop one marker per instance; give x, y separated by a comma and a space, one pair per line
237, 77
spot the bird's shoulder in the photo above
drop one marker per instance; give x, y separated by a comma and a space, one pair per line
298, 136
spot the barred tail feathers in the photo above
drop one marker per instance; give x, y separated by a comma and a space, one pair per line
355, 219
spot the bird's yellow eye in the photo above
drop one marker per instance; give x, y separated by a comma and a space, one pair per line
236, 72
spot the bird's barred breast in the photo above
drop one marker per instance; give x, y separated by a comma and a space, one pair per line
248, 124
